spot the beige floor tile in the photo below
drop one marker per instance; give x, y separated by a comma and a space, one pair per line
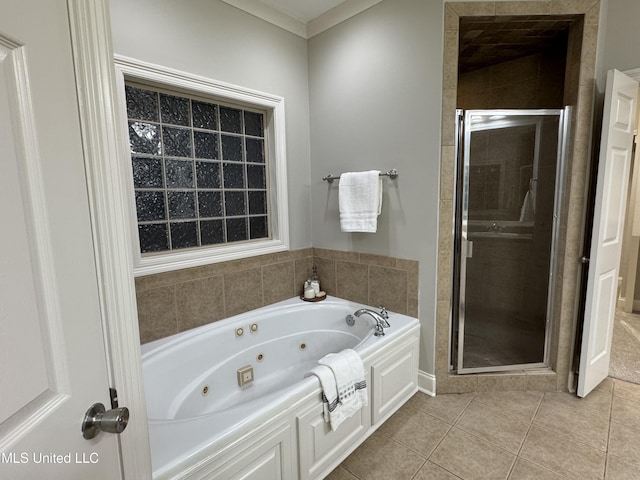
381, 458
627, 390
446, 407
472, 458
490, 425
625, 347
624, 442
619, 469
597, 403
487, 422
515, 403
563, 455
431, 471
525, 470
606, 385
416, 430
626, 410
568, 418
340, 473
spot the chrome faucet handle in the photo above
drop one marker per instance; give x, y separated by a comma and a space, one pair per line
383, 312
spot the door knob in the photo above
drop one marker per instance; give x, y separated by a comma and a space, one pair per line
98, 420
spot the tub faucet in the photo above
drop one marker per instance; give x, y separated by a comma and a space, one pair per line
381, 322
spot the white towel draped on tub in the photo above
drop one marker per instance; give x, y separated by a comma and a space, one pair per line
329, 390
344, 386
360, 201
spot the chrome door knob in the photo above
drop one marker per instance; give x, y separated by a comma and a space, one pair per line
98, 420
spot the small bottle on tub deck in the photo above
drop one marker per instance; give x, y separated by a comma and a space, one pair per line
315, 283
309, 292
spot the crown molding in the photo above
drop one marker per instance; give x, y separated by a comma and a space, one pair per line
337, 15
271, 15
306, 30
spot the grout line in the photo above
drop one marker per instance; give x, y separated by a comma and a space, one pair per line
524, 418
404, 447
526, 435
449, 427
613, 399
475, 394
349, 471
419, 469
175, 308
545, 468
437, 465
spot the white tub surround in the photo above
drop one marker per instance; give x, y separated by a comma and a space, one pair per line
203, 425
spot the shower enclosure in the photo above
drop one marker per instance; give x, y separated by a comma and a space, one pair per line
509, 181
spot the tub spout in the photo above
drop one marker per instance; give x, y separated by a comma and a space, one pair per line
381, 322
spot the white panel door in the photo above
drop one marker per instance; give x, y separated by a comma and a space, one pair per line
52, 351
608, 225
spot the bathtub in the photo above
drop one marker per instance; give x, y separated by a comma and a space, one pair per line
195, 406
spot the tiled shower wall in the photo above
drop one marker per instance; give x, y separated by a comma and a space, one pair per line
172, 302
530, 82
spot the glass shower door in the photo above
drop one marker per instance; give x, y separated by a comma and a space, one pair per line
505, 235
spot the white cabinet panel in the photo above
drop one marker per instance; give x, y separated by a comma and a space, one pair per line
394, 380
319, 446
266, 459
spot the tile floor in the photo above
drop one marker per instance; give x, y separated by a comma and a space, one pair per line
517, 435
625, 347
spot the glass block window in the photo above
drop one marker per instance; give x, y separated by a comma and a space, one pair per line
199, 170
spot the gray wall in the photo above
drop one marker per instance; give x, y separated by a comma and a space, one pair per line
215, 40
370, 89
619, 35
375, 103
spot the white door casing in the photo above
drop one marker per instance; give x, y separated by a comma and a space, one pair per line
64, 259
102, 142
53, 356
608, 225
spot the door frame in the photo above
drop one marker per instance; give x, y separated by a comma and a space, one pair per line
95, 82
461, 219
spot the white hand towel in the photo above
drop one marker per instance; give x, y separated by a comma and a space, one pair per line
329, 389
360, 201
351, 384
528, 210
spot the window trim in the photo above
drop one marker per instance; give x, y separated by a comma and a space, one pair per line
132, 70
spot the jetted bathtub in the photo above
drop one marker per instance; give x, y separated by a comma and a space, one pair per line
195, 406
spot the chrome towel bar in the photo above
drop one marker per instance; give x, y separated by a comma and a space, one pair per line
393, 173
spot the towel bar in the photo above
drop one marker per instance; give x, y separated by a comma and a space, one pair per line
393, 173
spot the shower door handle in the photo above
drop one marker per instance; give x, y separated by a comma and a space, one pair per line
468, 249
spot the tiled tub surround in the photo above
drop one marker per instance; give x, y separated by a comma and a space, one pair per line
172, 302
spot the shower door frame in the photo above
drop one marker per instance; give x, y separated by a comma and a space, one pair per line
461, 219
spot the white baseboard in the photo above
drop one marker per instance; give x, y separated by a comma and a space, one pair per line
621, 303
427, 383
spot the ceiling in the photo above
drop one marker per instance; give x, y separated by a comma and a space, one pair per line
304, 10
486, 41
305, 18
